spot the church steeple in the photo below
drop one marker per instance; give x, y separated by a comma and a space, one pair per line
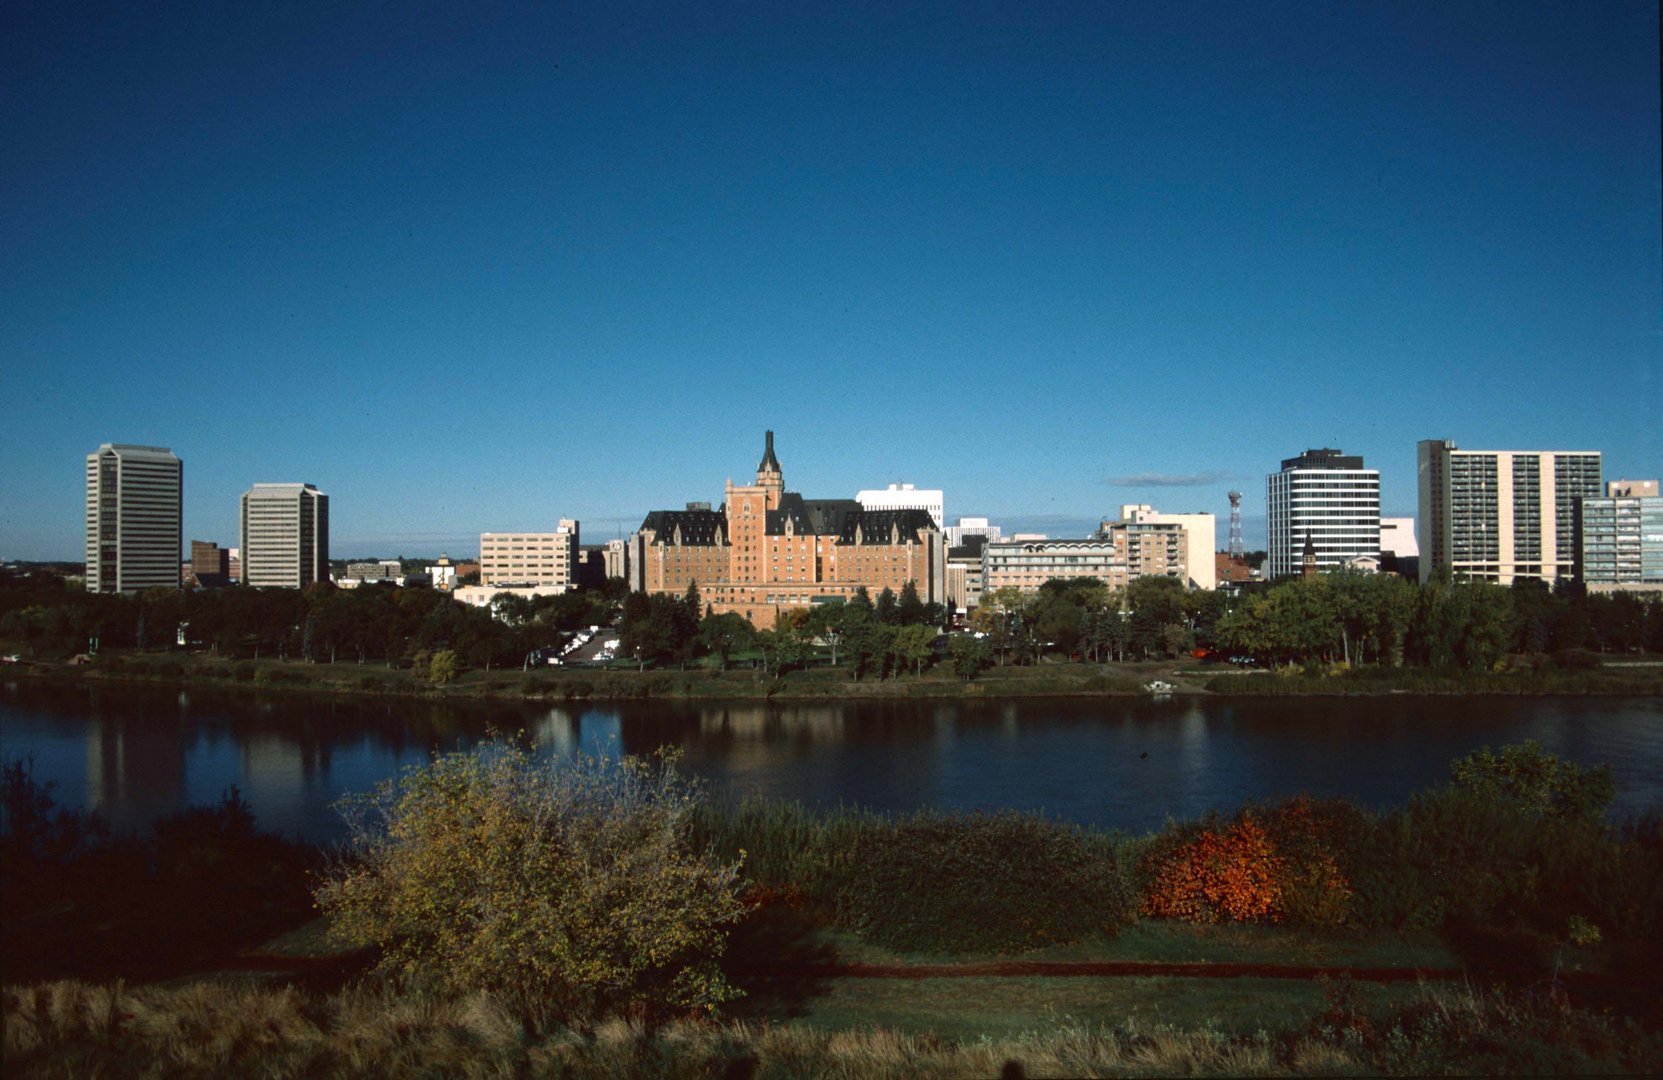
769, 475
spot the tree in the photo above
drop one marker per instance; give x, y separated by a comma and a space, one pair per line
1057, 620
568, 889
442, 667
970, 657
656, 628
725, 634
909, 609
1537, 782
999, 617
866, 641
886, 607
825, 621
911, 645
782, 648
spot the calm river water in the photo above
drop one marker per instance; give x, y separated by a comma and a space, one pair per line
138, 752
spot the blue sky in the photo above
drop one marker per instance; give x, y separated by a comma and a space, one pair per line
476, 268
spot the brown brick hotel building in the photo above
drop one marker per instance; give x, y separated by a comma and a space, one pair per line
767, 550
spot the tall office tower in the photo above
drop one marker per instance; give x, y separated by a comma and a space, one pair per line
1497, 515
1325, 497
285, 536
135, 502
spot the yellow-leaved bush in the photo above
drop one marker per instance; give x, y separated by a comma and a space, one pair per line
568, 888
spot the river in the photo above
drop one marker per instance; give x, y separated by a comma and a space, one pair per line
136, 752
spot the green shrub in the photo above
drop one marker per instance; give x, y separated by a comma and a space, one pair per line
788, 847
242, 671
443, 667
957, 883
568, 889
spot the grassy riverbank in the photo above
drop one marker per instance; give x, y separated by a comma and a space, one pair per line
1492, 925
1636, 677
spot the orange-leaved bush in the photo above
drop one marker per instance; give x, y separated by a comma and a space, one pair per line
1220, 875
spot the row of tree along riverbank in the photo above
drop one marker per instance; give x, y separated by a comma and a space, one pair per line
1072, 636
1578, 674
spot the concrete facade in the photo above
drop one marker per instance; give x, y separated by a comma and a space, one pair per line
1397, 537
617, 559
1619, 538
1154, 544
767, 550
529, 558
971, 526
285, 536
1501, 515
1028, 564
1327, 498
135, 507
905, 497
482, 595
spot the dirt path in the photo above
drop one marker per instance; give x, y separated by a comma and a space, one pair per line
1098, 969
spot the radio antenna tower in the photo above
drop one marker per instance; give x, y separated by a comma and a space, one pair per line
1236, 546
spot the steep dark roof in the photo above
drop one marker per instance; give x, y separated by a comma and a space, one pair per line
769, 462
808, 517
877, 524
699, 528
816, 516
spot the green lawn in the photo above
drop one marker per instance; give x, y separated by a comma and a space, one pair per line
1182, 943
969, 1008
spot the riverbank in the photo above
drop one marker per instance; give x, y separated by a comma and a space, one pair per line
1132, 679
1450, 936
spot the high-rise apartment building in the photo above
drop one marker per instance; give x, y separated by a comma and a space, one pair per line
1620, 538
530, 558
135, 505
1328, 498
1154, 544
285, 536
1498, 515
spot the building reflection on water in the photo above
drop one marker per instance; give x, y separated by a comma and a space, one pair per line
135, 770
138, 753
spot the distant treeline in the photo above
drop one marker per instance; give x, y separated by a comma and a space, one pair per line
320, 623
1352, 618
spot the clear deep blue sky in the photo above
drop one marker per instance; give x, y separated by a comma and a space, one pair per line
472, 268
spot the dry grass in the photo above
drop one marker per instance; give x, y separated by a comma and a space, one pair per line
73, 1029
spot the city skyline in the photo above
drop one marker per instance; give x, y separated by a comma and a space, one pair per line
471, 272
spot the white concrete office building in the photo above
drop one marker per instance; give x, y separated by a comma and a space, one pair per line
285, 536
1328, 498
1499, 515
135, 506
971, 526
529, 558
904, 497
